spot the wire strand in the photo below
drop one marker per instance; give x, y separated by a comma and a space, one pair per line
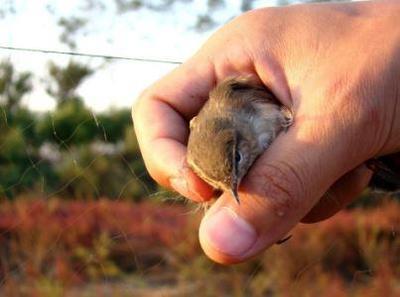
90, 55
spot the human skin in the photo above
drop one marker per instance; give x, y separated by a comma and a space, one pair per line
336, 65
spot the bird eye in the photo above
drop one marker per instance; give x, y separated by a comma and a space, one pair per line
238, 157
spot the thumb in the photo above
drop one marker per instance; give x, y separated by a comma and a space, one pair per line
280, 189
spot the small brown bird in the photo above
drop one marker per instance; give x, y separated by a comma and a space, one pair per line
238, 122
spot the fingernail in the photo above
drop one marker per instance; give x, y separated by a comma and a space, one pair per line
179, 185
228, 233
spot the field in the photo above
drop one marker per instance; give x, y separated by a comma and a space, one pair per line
117, 248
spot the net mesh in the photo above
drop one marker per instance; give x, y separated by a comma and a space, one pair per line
80, 216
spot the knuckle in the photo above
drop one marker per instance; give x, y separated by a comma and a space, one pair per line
282, 186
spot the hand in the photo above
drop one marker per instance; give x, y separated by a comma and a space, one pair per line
336, 65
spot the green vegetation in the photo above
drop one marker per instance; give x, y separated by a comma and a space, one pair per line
70, 151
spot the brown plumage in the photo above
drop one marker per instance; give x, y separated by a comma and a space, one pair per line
238, 122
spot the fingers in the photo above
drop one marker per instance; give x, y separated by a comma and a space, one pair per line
170, 167
280, 189
342, 193
160, 120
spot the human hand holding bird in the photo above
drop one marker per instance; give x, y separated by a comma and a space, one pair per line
345, 104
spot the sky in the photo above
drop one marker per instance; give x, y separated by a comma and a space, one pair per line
142, 33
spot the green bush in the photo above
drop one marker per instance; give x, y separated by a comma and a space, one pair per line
70, 124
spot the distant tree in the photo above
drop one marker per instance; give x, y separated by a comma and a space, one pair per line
113, 124
70, 28
72, 123
7, 8
21, 168
162, 5
64, 81
13, 86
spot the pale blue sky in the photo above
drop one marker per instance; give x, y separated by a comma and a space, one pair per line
141, 33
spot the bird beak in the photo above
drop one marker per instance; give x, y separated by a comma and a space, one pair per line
234, 173
234, 191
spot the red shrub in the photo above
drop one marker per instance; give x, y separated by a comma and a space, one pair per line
64, 238
356, 253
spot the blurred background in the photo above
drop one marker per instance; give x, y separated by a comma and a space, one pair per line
80, 216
